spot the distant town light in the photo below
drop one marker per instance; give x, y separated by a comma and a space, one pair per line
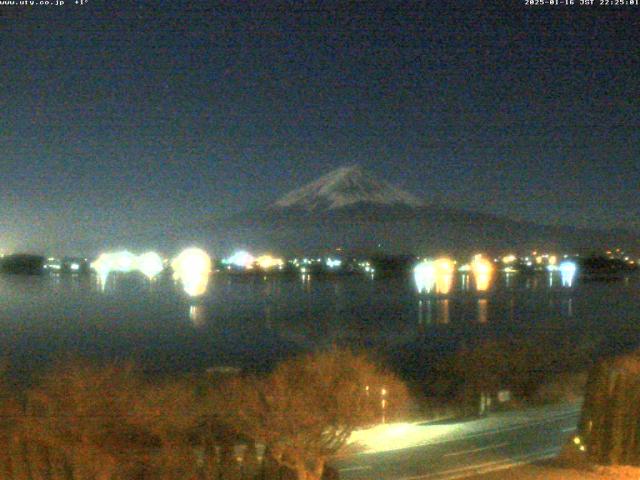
192, 268
444, 269
123, 261
509, 258
333, 262
267, 262
482, 270
424, 274
241, 258
567, 272
150, 264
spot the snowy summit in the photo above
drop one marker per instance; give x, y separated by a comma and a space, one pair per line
343, 187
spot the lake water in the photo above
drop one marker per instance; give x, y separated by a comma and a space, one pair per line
253, 321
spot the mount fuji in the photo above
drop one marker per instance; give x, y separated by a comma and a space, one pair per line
351, 209
344, 187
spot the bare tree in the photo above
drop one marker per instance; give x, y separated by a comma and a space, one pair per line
307, 408
81, 421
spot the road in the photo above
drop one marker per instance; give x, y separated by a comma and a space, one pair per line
451, 450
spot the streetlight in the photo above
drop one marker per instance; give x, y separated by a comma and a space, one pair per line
260, 454
239, 451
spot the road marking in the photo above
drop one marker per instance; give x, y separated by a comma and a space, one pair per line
488, 467
479, 449
569, 429
353, 469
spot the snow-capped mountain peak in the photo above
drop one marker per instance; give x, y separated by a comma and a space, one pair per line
346, 186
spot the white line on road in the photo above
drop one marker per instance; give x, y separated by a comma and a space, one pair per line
472, 470
570, 429
474, 450
353, 469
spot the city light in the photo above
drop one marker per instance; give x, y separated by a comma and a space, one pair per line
424, 275
241, 258
567, 272
150, 264
192, 268
509, 258
333, 263
482, 270
444, 268
123, 261
267, 262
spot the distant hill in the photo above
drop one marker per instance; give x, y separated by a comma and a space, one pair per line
350, 208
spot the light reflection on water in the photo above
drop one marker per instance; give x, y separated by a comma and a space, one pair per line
197, 315
240, 318
483, 311
443, 311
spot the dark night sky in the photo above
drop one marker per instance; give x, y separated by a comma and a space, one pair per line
120, 119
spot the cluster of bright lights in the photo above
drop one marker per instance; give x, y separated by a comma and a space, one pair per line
534, 259
53, 264
192, 268
367, 267
123, 261
150, 264
241, 258
245, 260
267, 262
333, 262
434, 274
509, 258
